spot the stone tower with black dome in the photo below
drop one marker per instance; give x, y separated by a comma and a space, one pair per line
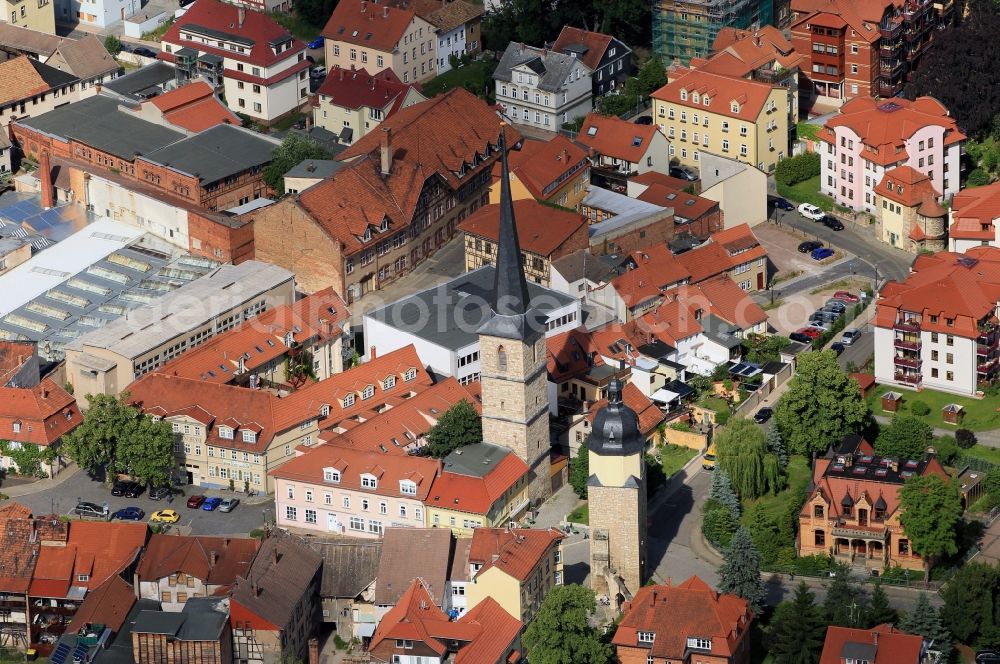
616, 495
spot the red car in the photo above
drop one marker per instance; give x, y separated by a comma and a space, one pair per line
810, 332
194, 502
845, 296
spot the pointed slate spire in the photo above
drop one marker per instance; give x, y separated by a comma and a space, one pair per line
510, 289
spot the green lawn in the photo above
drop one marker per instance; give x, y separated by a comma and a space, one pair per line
155, 35
806, 191
298, 26
673, 458
807, 130
980, 414
476, 76
991, 454
580, 515
798, 480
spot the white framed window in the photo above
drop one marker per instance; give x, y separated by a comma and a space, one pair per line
249, 436
402, 511
331, 475
310, 516
346, 502
408, 487
410, 374
647, 637
389, 383
291, 513
226, 432
368, 392
357, 523
375, 528
348, 401
309, 495
290, 492
699, 643
369, 481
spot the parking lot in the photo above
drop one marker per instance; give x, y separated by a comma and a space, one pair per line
61, 499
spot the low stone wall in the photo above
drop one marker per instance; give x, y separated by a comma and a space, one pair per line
689, 439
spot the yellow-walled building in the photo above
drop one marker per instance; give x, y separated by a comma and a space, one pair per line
555, 171
37, 15
733, 117
516, 567
481, 485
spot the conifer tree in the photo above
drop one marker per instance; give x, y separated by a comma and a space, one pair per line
740, 573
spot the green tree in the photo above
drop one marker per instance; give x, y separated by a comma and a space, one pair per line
766, 534
845, 603
315, 12
579, 471
776, 446
931, 512
977, 178
718, 524
742, 452
120, 438
651, 76
113, 45
740, 571
797, 629
459, 426
925, 620
561, 631
722, 492
969, 601
905, 437
294, 149
763, 348
879, 610
299, 368
822, 405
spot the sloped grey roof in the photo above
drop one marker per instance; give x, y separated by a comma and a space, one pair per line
552, 67
216, 153
349, 565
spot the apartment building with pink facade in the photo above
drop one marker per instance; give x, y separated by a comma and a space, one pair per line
333, 489
868, 138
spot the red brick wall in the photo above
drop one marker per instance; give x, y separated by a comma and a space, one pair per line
219, 240
658, 232
580, 239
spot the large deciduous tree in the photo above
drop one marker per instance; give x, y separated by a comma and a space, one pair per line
459, 426
905, 437
931, 512
561, 631
740, 572
294, 149
970, 600
822, 404
742, 452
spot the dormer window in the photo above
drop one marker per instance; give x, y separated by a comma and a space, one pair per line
389, 383
324, 410
368, 392
684, 95
704, 102
408, 487
647, 637
734, 107
249, 436
694, 98
331, 475
384, 226
348, 401
17, 427
368, 234
226, 432
699, 643
410, 374
369, 481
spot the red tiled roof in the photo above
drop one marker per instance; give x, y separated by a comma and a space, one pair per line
892, 646
476, 495
21, 80
109, 604
541, 229
169, 554
887, 125
722, 91
650, 178
256, 27
724, 251
103, 550
44, 413
963, 288
675, 613
971, 209
739, 52
543, 166
909, 187
650, 416
357, 88
194, 107
377, 26
863, 17
570, 354
518, 551
440, 136
498, 631
655, 269
445, 16
596, 44
864, 380
21, 539
13, 356
388, 469
614, 137
685, 205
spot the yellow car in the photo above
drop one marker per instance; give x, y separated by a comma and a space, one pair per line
165, 516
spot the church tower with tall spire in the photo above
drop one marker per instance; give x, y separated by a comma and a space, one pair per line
512, 355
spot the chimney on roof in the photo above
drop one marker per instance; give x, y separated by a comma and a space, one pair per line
45, 175
45, 395
274, 556
314, 650
386, 151
241, 13
213, 557
225, 543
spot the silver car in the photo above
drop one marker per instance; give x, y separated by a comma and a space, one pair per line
228, 504
851, 335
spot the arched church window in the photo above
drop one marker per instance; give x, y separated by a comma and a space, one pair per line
502, 358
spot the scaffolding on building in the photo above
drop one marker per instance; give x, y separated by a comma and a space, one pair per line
685, 29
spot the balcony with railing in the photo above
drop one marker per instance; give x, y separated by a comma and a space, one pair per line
913, 11
889, 47
907, 322
891, 29
907, 360
889, 88
907, 342
907, 378
890, 68
987, 367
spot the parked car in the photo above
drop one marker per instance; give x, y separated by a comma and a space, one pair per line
850, 335
159, 493
129, 514
809, 246
833, 223
143, 51
818, 326
822, 318
316, 43
194, 502
165, 516
837, 347
836, 305
836, 313
810, 211
86, 509
800, 337
682, 173
134, 490
780, 203
229, 504
317, 72
119, 487
810, 332
211, 503
846, 296
763, 415
821, 254
644, 120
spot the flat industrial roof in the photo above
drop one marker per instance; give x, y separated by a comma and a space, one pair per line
142, 81
216, 153
626, 210
450, 314
218, 291
476, 460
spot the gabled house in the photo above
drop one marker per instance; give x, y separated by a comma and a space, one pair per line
734, 252
620, 149
259, 67
908, 211
351, 102
609, 59
684, 624
415, 553
883, 644
347, 587
457, 23
542, 88
31, 89
197, 632
973, 219
193, 107
556, 171
175, 568
87, 59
